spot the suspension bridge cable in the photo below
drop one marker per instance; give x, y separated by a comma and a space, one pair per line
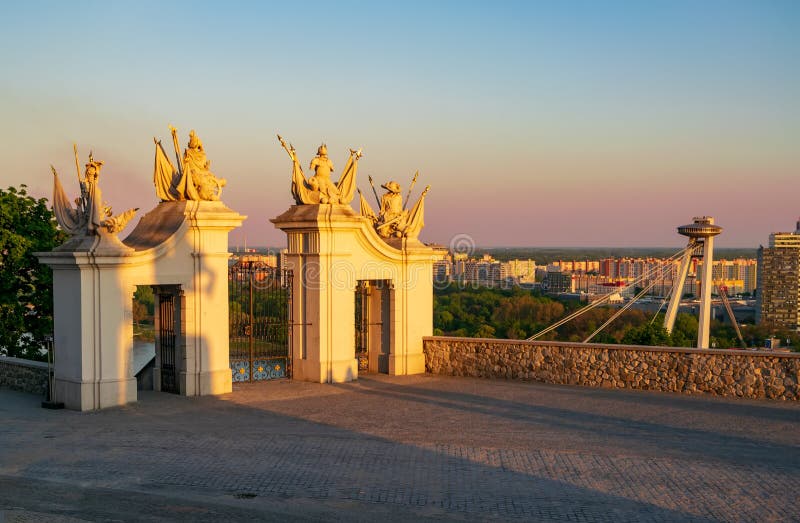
620, 311
605, 297
671, 287
662, 305
723, 295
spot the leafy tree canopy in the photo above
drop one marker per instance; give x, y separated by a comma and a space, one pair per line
26, 287
647, 334
516, 313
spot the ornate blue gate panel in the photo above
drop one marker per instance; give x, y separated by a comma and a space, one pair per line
269, 369
260, 337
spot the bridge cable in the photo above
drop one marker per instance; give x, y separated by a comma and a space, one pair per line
605, 297
664, 301
620, 311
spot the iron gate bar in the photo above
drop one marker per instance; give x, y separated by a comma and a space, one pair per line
362, 294
166, 334
260, 317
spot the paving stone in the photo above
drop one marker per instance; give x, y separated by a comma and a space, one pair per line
400, 448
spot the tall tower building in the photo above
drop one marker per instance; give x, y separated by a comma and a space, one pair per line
778, 279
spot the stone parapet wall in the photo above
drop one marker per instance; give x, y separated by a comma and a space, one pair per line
23, 375
747, 374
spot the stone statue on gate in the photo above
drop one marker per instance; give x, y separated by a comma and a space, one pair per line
394, 220
91, 216
320, 188
193, 179
321, 181
392, 216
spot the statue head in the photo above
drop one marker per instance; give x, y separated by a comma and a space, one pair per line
322, 150
194, 141
93, 168
392, 187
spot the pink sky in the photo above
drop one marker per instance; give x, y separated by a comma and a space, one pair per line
535, 124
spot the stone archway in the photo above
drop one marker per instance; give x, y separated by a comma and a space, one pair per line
330, 249
179, 247
373, 319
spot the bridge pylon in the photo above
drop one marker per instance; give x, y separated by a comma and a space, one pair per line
700, 232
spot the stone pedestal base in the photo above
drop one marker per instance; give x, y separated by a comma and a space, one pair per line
325, 372
406, 364
215, 382
95, 395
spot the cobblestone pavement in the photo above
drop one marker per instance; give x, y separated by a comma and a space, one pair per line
403, 448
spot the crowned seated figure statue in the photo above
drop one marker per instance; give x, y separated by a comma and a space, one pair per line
197, 168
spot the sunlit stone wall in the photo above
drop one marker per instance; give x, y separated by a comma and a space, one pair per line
719, 372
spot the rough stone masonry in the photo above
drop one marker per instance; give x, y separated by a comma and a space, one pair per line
23, 375
747, 374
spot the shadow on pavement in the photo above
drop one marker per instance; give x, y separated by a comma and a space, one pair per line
645, 436
218, 453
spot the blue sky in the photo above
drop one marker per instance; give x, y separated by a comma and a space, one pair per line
536, 123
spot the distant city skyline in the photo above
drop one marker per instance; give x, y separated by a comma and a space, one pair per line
569, 124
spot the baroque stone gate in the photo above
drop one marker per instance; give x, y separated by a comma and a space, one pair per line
308, 331
363, 282
180, 247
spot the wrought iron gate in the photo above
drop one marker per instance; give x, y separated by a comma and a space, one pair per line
362, 324
372, 309
259, 310
166, 337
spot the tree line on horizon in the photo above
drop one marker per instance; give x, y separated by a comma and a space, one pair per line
517, 313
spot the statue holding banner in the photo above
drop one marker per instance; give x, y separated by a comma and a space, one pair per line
321, 181
91, 216
192, 180
320, 188
394, 220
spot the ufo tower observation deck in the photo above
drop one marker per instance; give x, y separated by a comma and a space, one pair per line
701, 232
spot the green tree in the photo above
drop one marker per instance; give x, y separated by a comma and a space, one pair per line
443, 319
26, 287
684, 332
484, 331
647, 334
143, 304
518, 313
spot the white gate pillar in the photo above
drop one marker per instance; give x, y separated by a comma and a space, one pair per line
183, 244
330, 248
